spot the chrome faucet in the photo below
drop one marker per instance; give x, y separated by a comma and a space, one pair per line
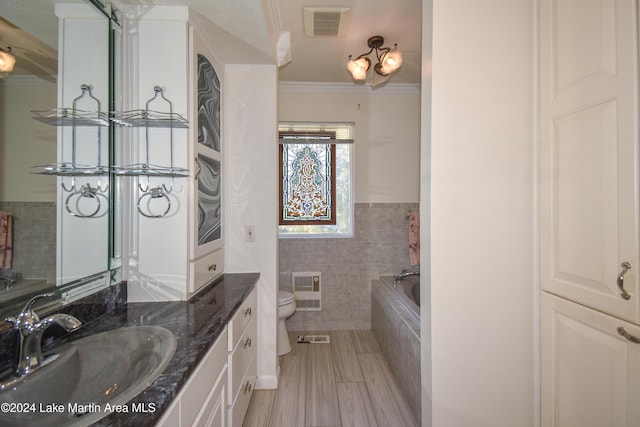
404, 273
10, 280
31, 328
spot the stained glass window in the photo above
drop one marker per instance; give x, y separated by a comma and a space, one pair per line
308, 184
316, 193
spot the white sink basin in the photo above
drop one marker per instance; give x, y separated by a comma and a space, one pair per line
89, 377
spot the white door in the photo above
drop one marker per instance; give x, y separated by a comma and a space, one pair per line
588, 154
590, 371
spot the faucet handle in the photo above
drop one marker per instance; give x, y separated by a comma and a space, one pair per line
27, 315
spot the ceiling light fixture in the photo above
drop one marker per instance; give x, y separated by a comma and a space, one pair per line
389, 61
7, 61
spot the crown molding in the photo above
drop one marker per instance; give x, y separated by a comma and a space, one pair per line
331, 87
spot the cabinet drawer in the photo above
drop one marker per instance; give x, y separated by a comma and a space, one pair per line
202, 380
205, 269
245, 313
238, 410
240, 357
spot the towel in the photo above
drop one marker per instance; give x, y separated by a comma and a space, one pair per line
414, 238
6, 240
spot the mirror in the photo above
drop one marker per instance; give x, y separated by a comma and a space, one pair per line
60, 223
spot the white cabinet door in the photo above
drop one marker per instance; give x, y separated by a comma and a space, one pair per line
214, 410
590, 372
206, 222
206, 78
588, 153
203, 399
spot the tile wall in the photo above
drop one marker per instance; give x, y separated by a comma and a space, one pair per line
34, 239
397, 332
380, 246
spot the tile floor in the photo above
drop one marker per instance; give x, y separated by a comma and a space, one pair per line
341, 384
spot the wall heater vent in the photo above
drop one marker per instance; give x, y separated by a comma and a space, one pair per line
307, 290
326, 21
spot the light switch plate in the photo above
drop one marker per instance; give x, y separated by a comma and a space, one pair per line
249, 233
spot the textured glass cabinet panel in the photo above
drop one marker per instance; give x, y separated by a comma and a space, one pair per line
208, 105
209, 179
209, 200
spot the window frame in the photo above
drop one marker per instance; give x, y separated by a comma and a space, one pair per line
332, 168
344, 217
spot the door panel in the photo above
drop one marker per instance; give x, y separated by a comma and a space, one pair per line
590, 373
588, 154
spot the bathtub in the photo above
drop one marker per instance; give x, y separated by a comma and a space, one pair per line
408, 289
395, 321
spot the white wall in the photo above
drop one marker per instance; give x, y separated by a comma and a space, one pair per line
482, 287
387, 132
251, 188
158, 248
25, 142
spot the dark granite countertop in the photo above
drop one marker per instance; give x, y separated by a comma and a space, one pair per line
196, 323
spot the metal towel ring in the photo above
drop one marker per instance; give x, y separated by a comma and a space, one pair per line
85, 192
154, 193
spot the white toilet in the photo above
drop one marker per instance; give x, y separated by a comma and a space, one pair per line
286, 308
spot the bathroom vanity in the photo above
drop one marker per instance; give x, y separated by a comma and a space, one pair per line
211, 376
219, 390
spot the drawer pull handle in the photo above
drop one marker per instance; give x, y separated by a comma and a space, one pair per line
247, 343
623, 292
213, 267
628, 336
248, 312
247, 387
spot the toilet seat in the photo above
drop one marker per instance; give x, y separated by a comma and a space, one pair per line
285, 298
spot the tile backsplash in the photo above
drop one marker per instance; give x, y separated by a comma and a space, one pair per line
380, 246
34, 239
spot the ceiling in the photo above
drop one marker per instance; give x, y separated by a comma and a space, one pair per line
313, 59
324, 59
36, 49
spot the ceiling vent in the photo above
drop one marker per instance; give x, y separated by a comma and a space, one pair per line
326, 21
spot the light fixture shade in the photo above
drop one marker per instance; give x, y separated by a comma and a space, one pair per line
379, 79
390, 61
359, 68
7, 61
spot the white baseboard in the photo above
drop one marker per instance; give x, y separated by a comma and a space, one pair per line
268, 382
